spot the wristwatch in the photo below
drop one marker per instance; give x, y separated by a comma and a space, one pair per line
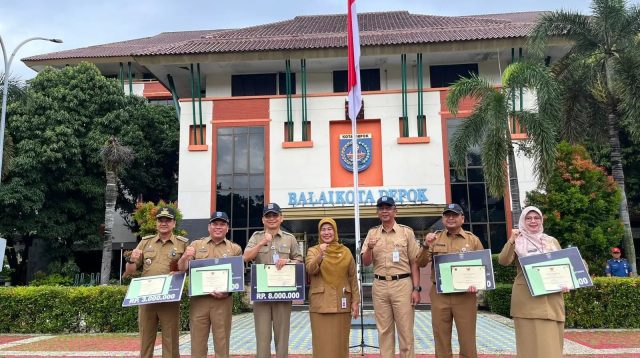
417, 288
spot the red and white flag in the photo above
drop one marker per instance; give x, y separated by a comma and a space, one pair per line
353, 69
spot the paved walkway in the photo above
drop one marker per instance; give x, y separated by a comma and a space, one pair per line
495, 338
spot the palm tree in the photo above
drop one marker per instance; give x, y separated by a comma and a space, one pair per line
605, 56
488, 126
115, 157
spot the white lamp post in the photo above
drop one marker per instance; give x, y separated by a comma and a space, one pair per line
5, 86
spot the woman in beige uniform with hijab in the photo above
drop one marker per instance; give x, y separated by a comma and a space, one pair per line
334, 294
539, 320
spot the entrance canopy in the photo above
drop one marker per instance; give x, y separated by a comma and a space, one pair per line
305, 219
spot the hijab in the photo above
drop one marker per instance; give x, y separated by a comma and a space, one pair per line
337, 258
529, 242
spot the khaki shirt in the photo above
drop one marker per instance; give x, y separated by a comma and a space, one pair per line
446, 243
400, 238
283, 243
157, 256
207, 249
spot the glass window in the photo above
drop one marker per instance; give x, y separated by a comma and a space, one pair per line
445, 75
256, 150
282, 83
225, 182
484, 215
240, 154
224, 160
239, 193
370, 80
262, 84
478, 203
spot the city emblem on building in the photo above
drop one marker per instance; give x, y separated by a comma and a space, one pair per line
363, 153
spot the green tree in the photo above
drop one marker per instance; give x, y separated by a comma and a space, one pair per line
580, 204
16, 90
55, 187
488, 126
115, 157
145, 216
604, 65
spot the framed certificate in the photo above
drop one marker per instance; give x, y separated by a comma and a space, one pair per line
550, 272
154, 289
271, 284
224, 274
457, 272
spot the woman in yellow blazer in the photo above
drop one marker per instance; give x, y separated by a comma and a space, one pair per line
539, 320
334, 294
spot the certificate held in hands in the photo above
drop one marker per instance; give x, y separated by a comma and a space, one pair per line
215, 281
556, 277
464, 277
285, 277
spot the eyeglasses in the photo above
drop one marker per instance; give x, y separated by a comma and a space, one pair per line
533, 218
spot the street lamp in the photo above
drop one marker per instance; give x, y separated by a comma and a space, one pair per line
5, 86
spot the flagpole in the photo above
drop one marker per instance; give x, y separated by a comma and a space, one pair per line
355, 103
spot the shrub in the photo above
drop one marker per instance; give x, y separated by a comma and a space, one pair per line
499, 300
55, 279
503, 274
610, 303
57, 309
581, 206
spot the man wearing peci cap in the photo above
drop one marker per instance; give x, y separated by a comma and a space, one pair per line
211, 312
460, 307
617, 266
158, 255
272, 246
392, 249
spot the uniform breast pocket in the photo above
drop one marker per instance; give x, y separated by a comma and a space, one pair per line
400, 246
439, 249
264, 249
202, 254
284, 251
149, 257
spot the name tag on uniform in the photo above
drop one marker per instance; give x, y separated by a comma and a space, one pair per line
276, 257
344, 302
395, 256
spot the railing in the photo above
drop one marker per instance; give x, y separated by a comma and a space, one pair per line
86, 279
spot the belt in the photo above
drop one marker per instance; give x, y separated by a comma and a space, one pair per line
392, 277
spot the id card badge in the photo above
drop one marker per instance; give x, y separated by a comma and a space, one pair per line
276, 257
343, 302
395, 256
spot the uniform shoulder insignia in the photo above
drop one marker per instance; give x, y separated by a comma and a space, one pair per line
405, 226
375, 227
437, 232
284, 233
181, 238
148, 237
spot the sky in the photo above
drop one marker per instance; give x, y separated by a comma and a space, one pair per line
82, 23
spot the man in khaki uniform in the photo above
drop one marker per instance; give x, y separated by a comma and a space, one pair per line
211, 312
272, 246
392, 249
461, 307
157, 254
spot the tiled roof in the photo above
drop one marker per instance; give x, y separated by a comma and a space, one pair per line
318, 31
